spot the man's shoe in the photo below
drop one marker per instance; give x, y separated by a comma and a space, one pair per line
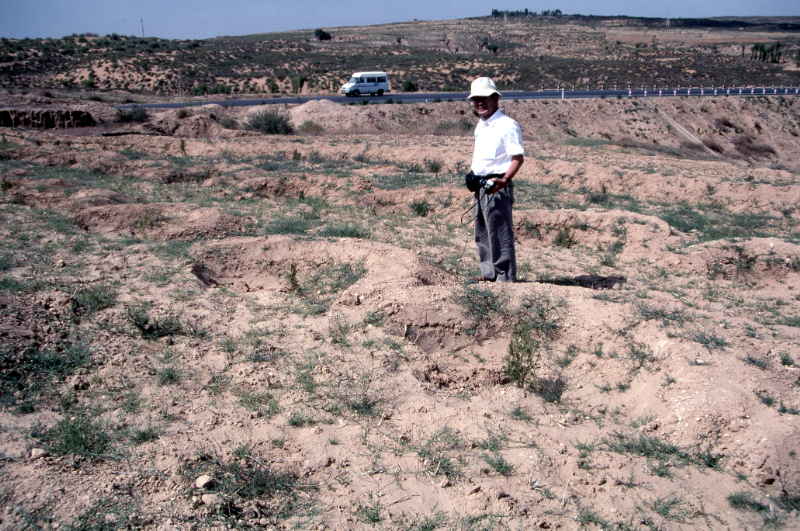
481, 278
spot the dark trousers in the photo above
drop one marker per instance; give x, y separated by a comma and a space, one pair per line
494, 234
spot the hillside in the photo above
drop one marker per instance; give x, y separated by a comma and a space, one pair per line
440, 55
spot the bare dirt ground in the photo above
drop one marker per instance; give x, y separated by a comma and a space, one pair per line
207, 327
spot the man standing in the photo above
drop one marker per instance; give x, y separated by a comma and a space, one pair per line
498, 156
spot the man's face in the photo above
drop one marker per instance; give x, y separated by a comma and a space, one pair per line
485, 107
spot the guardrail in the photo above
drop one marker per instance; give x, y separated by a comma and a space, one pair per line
700, 90
561, 92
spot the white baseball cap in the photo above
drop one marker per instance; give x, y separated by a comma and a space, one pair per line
483, 87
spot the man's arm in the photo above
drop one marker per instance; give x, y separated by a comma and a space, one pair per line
516, 164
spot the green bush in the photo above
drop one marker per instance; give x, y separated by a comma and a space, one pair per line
297, 83
410, 86
311, 128
322, 34
523, 355
270, 122
421, 208
77, 435
92, 299
153, 328
134, 114
345, 231
219, 88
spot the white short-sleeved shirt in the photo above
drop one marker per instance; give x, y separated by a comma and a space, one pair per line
496, 140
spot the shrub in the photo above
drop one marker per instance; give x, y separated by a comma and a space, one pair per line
712, 145
420, 208
523, 355
565, 237
219, 88
270, 122
748, 147
499, 464
63, 359
134, 114
463, 125
311, 128
93, 299
322, 34
344, 231
78, 435
745, 501
297, 83
410, 86
229, 123
433, 165
152, 328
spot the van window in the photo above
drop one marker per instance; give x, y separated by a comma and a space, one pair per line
382, 79
353, 80
370, 80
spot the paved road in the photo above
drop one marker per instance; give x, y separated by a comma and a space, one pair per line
416, 97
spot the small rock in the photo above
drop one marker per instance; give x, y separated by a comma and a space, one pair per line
110, 518
446, 483
652, 426
474, 490
323, 462
79, 384
178, 479
498, 494
204, 482
211, 499
36, 453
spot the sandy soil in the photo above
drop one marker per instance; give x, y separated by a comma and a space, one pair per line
351, 379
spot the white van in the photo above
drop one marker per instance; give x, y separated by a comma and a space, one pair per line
364, 83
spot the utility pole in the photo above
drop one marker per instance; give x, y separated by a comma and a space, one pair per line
142, 20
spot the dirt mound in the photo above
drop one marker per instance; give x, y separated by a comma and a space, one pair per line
194, 122
633, 236
159, 221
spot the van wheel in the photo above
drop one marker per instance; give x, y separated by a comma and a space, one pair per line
356, 93
380, 92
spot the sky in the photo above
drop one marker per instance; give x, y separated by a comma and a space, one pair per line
201, 19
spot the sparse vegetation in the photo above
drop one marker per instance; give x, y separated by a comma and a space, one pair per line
270, 122
207, 327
